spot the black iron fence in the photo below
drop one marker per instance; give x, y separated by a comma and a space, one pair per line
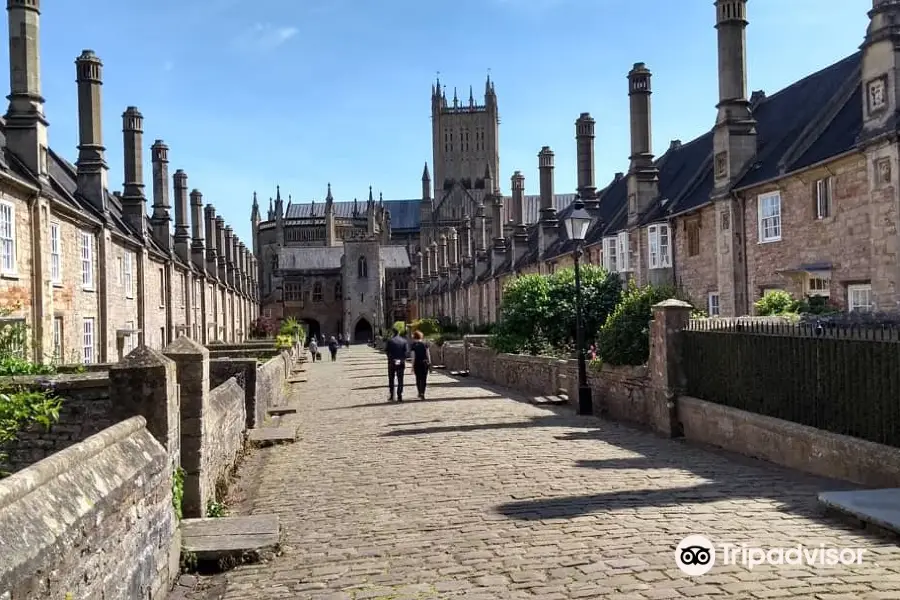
840, 378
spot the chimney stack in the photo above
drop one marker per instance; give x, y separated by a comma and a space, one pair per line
198, 245
584, 141
26, 125
161, 218
182, 220
212, 240
454, 250
639, 91
426, 269
435, 254
517, 184
443, 265
134, 202
228, 234
92, 170
549, 225
420, 271
220, 247
497, 222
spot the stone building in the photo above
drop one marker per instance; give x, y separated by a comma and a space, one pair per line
86, 268
796, 190
352, 267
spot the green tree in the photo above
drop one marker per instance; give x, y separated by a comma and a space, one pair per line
600, 292
624, 338
524, 311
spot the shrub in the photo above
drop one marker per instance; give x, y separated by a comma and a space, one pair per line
523, 315
888, 319
624, 338
428, 327
291, 327
263, 327
285, 342
776, 302
400, 326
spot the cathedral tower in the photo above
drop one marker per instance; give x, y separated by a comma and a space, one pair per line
465, 138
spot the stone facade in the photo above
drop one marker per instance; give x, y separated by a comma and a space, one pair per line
794, 191
113, 276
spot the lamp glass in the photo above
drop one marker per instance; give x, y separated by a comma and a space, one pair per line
577, 224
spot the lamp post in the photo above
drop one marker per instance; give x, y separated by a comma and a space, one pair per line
577, 224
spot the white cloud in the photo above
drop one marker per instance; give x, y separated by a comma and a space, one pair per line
264, 36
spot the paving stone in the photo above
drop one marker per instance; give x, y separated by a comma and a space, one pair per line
471, 494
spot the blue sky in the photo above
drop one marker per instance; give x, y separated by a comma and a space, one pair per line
305, 92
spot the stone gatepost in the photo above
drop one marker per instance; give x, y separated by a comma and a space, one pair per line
144, 383
192, 365
670, 318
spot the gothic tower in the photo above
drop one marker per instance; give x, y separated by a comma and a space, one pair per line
465, 138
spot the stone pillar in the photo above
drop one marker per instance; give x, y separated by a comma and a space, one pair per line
144, 383
670, 318
192, 372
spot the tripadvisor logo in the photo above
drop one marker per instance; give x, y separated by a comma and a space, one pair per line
696, 555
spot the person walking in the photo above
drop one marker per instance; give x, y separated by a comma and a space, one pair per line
314, 349
333, 348
421, 365
397, 349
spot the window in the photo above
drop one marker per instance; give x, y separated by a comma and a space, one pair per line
610, 247
818, 286
87, 264
401, 289
769, 217
131, 338
712, 304
859, 297
128, 283
658, 241
184, 290
58, 339
362, 268
624, 251
7, 238
291, 292
162, 287
692, 231
120, 271
87, 344
338, 291
162, 338
823, 192
317, 292
55, 255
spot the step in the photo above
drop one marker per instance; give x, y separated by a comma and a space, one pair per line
550, 400
880, 508
298, 380
459, 373
211, 539
438, 366
277, 411
267, 436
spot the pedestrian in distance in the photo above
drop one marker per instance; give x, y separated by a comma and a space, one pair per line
314, 349
396, 349
333, 348
421, 365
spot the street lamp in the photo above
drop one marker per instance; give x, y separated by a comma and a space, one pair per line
577, 224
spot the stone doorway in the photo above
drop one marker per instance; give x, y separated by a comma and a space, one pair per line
362, 333
312, 329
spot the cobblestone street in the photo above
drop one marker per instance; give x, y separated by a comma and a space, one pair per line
472, 494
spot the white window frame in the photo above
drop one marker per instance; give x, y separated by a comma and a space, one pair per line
58, 326
162, 287
623, 251
87, 261
811, 291
852, 303
713, 306
659, 244
128, 281
8, 263
610, 254
55, 253
130, 339
824, 196
769, 221
88, 342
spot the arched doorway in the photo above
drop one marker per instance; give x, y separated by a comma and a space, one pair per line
312, 329
362, 333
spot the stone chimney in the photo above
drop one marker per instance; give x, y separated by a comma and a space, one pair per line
212, 241
220, 247
26, 125
160, 219
549, 225
454, 251
426, 268
240, 256
229, 253
643, 177
584, 141
435, 254
420, 270
134, 202
444, 265
92, 170
466, 240
517, 184
182, 220
198, 245
734, 140
498, 249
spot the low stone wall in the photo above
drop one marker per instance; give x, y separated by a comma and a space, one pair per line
244, 371
620, 392
263, 353
85, 410
94, 520
224, 436
452, 356
270, 380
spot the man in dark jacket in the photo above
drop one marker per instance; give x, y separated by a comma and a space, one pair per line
397, 349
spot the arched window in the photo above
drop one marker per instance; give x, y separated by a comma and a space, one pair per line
362, 268
317, 291
338, 291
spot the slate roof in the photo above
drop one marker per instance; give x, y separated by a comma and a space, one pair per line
328, 258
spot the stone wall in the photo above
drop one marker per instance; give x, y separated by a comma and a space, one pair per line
86, 410
270, 380
649, 396
244, 370
224, 435
94, 520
